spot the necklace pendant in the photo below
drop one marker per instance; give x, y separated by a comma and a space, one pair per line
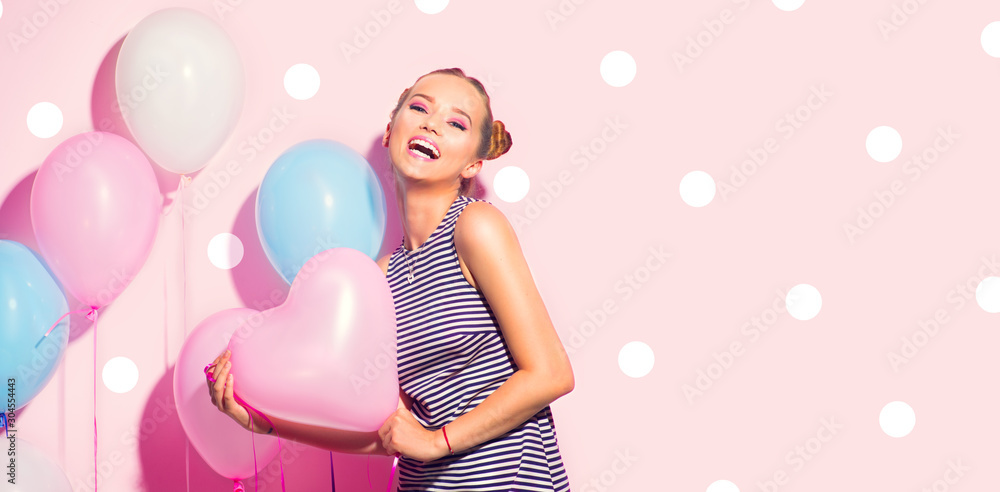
409, 278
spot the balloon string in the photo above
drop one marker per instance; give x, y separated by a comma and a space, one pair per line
393, 472
92, 315
248, 407
185, 180
333, 483
187, 463
91, 309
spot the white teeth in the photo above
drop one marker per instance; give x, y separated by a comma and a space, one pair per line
430, 148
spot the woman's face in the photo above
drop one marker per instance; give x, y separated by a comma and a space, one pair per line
434, 137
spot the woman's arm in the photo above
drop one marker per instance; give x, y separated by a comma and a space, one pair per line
490, 249
343, 441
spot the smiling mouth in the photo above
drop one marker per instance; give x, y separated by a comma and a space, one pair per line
420, 148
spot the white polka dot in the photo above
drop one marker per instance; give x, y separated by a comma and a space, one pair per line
884, 143
991, 39
788, 5
618, 68
120, 374
511, 184
225, 250
988, 294
635, 359
803, 302
697, 188
722, 486
897, 419
301, 81
431, 6
44, 120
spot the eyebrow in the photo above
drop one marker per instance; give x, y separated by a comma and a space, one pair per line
431, 99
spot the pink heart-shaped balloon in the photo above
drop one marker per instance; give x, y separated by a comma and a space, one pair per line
327, 355
217, 438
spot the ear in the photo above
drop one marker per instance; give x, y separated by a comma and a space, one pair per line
472, 169
385, 138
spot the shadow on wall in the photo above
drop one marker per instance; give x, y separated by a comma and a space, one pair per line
161, 443
15, 225
259, 285
378, 158
107, 117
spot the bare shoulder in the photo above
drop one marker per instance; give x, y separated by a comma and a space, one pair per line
383, 263
481, 222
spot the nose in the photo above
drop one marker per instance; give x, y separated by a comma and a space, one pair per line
430, 124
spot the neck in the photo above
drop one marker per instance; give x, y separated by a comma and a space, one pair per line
420, 211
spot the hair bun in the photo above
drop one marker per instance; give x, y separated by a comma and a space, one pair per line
500, 141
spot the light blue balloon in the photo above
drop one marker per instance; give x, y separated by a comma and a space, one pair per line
31, 300
318, 195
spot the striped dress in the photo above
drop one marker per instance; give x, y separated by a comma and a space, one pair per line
451, 355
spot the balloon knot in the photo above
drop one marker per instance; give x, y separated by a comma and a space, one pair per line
238, 486
92, 314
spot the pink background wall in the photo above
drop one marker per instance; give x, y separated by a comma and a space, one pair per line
763, 418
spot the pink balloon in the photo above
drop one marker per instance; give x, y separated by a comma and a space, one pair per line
327, 355
220, 441
95, 208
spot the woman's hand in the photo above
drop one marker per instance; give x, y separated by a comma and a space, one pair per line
220, 389
401, 434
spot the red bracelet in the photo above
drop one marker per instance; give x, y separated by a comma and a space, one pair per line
446, 439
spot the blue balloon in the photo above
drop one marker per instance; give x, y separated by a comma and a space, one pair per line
318, 195
31, 300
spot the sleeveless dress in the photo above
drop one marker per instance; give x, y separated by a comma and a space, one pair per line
451, 355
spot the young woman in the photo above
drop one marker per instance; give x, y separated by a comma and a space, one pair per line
479, 360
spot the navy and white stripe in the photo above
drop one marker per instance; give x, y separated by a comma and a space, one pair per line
451, 355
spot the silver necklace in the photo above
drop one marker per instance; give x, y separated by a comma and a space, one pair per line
409, 277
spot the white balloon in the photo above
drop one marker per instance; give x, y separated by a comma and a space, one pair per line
180, 86
35, 472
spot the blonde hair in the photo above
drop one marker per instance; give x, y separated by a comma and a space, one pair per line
494, 139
